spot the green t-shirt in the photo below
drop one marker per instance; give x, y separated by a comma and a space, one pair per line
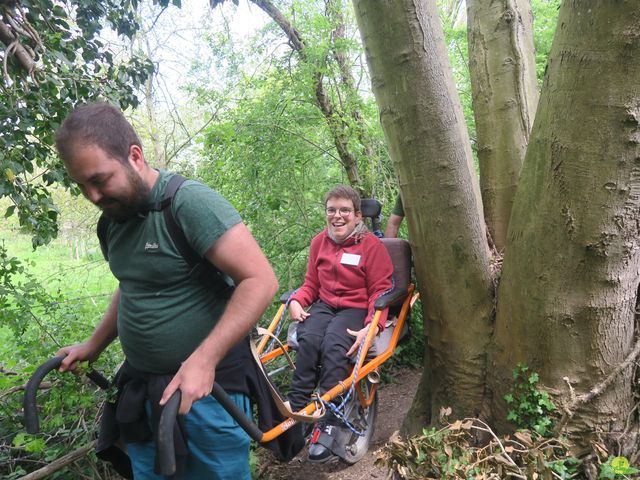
398, 208
164, 314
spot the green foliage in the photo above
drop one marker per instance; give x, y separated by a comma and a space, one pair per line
530, 408
72, 65
38, 314
455, 34
269, 149
617, 468
410, 351
545, 14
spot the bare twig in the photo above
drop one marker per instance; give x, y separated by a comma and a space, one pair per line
488, 430
18, 388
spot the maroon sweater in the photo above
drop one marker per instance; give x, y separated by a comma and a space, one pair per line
348, 275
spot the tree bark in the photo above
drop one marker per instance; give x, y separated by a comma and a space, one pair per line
159, 152
569, 285
505, 95
428, 142
25, 59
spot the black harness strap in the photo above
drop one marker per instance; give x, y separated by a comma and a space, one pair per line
201, 268
175, 232
103, 227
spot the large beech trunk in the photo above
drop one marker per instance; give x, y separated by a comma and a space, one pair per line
503, 81
568, 292
429, 145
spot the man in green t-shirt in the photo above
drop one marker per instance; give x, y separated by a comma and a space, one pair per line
395, 219
171, 325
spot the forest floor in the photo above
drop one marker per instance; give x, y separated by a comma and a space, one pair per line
394, 401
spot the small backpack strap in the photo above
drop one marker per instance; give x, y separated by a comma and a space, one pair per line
102, 229
201, 268
175, 232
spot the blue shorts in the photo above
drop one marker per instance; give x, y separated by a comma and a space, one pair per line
218, 447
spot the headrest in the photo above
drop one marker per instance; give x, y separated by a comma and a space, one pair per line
370, 207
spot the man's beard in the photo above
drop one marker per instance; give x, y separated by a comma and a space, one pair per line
126, 206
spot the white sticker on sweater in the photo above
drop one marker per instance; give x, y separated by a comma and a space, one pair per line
350, 259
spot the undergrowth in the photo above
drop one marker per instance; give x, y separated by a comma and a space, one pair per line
469, 449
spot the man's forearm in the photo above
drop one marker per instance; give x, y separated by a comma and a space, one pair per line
107, 330
393, 226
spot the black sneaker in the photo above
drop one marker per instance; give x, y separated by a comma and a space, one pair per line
321, 443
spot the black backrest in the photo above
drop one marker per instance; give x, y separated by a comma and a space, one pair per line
371, 208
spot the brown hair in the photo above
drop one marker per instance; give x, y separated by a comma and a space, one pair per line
344, 191
99, 124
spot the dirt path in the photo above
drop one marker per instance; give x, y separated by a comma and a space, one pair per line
394, 401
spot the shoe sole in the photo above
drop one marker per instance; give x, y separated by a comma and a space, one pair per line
327, 460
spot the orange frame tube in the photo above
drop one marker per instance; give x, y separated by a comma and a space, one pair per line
363, 368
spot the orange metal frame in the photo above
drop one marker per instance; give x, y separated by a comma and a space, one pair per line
362, 368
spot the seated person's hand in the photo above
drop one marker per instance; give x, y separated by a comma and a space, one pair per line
297, 312
360, 336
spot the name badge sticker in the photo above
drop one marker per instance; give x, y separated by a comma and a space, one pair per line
350, 259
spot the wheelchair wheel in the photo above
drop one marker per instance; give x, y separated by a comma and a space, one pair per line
363, 418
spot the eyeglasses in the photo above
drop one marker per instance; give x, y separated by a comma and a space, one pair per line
344, 211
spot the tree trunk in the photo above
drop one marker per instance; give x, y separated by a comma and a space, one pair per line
429, 145
351, 101
503, 81
10, 40
571, 270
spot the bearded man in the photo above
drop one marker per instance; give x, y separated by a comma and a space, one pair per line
176, 331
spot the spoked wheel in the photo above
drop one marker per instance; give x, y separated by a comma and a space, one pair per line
363, 418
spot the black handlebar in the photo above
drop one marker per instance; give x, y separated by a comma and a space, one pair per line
238, 415
31, 421
166, 452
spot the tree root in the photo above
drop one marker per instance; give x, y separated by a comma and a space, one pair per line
576, 401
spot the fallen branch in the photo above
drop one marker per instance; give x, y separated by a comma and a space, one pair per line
18, 388
60, 463
495, 437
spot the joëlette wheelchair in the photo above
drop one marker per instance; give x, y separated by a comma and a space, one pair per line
359, 388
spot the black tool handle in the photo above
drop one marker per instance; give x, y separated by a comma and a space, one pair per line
166, 451
31, 421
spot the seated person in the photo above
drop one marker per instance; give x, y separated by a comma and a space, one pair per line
349, 268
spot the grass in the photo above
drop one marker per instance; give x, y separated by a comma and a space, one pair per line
76, 290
